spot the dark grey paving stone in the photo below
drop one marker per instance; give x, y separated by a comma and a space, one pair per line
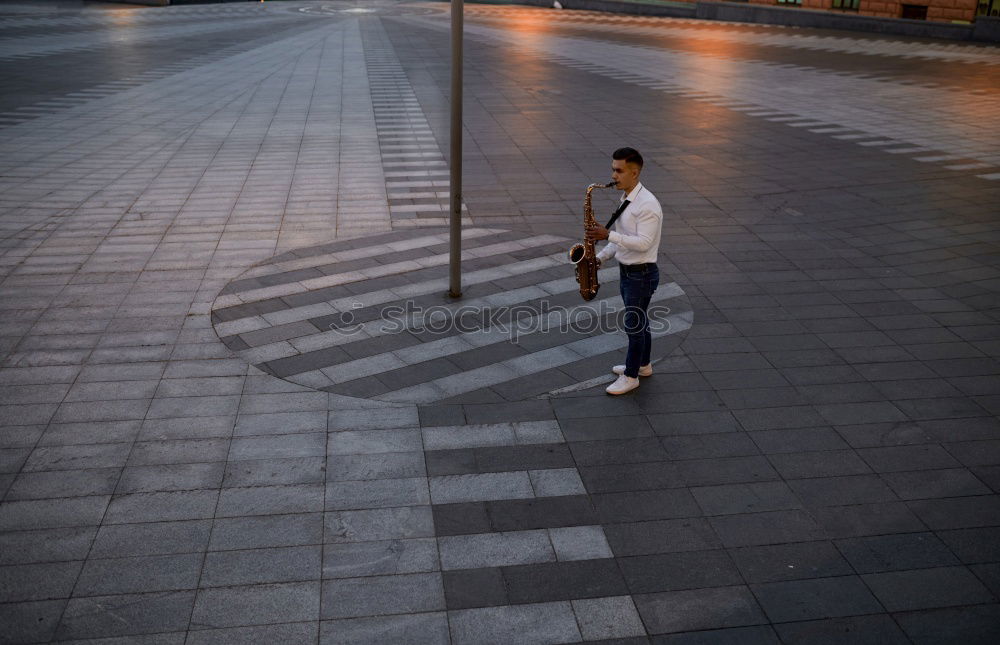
815, 598
132, 540
876, 629
43, 581
441, 415
867, 519
30, 622
264, 472
127, 615
974, 545
287, 633
842, 491
793, 561
977, 625
925, 484
639, 506
732, 499
508, 411
896, 552
958, 512
468, 588
256, 605
872, 435
139, 574
430, 628
797, 440
661, 536
461, 519
734, 444
598, 429
902, 458
51, 545
541, 513
727, 470
675, 571
53, 513
380, 595
830, 463
630, 477
693, 423
551, 581
928, 588
258, 566
775, 527
62, 483
625, 451
715, 608
266, 531
779, 417
756, 635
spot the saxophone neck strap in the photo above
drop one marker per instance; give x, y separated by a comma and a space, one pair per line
618, 212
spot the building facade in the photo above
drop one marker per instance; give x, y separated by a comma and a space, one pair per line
938, 10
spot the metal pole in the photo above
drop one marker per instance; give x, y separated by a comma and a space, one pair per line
455, 281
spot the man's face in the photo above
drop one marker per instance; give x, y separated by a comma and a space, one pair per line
625, 175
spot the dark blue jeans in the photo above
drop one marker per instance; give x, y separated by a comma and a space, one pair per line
637, 287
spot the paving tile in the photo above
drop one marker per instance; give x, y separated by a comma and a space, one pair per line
380, 595
579, 543
606, 618
256, 605
430, 628
675, 571
816, 598
528, 624
713, 608
288, 633
378, 524
258, 566
52, 513
393, 465
896, 552
127, 615
928, 588
867, 519
977, 624
451, 489
270, 500
266, 531
793, 561
46, 581
495, 549
773, 527
664, 536
867, 630
732, 499
468, 588
551, 581
31, 621
376, 493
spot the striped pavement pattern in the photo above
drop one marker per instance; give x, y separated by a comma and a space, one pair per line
490, 522
368, 318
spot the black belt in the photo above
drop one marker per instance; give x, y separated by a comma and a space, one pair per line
636, 267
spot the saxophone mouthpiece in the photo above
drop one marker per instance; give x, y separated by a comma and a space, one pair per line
611, 184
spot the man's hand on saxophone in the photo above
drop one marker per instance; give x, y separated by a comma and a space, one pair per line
596, 232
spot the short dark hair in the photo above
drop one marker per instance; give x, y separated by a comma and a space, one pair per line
628, 155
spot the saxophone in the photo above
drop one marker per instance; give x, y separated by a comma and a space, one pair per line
583, 255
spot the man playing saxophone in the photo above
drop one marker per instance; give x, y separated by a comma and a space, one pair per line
634, 242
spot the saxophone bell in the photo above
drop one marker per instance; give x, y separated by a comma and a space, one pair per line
576, 253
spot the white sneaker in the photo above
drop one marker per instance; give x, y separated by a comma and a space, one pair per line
622, 385
645, 370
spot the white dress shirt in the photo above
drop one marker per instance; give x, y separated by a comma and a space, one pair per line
636, 235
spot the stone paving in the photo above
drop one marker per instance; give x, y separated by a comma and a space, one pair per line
207, 435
